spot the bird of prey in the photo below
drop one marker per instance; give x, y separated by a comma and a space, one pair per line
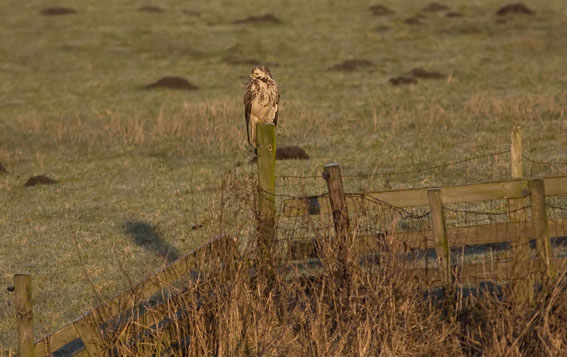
261, 101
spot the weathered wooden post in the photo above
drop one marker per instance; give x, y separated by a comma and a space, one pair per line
332, 174
266, 148
523, 281
337, 197
524, 263
541, 228
24, 313
516, 170
440, 234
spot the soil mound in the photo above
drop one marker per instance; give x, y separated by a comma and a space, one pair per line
177, 83
288, 153
150, 8
453, 14
512, 9
353, 65
435, 7
291, 153
380, 10
402, 80
382, 28
192, 12
422, 73
415, 20
57, 10
239, 61
466, 28
2, 169
266, 18
39, 180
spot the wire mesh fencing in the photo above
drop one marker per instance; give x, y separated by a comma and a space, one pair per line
484, 237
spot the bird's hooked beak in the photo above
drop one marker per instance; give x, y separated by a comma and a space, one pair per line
252, 75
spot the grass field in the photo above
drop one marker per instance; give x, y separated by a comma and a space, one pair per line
140, 171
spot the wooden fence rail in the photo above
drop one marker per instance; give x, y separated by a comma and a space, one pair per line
498, 190
82, 336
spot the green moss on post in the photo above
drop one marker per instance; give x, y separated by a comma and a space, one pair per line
266, 147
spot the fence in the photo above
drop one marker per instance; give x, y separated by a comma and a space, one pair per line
82, 336
430, 223
441, 236
505, 214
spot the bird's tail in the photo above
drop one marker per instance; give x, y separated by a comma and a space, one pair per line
248, 132
251, 132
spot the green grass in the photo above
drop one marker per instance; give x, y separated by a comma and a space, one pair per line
72, 107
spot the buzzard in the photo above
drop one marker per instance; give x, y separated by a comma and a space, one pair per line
261, 98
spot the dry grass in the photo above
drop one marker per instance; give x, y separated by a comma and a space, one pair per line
240, 306
370, 311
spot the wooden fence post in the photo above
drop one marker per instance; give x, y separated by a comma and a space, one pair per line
337, 198
516, 170
266, 148
24, 313
440, 234
541, 228
332, 174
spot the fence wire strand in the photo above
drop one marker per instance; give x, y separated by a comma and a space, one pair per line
430, 168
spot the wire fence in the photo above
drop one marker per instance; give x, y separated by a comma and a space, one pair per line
544, 168
486, 167
469, 224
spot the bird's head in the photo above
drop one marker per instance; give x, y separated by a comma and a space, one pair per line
260, 72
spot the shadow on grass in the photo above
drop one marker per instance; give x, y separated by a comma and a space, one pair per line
145, 235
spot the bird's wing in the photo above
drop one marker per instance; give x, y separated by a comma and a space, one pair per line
248, 97
276, 116
277, 106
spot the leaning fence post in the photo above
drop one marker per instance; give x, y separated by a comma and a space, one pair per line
440, 234
541, 228
266, 148
332, 174
24, 313
337, 198
515, 205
